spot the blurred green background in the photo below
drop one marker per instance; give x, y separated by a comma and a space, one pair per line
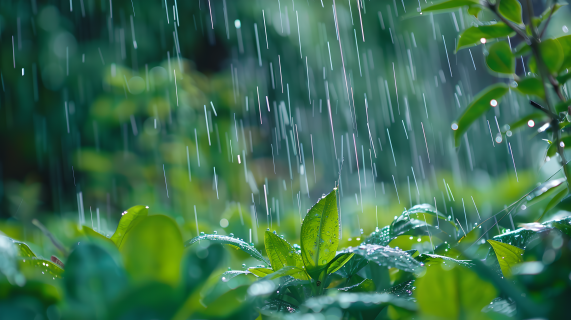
221, 115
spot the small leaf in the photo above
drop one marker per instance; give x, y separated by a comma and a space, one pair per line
490, 32
478, 107
452, 293
523, 49
24, 250
366, 285
565, 43
511, 9
296, 272
474, 10
93, 235
261, 272
500, 58
563, 106
385, 257
531, 86
553, 147
545, 15
552, 54
449, 5
554, 201
153, 250
319, 235
129, 219
234, 242
430, 259
508, 256
524, 121
280, 252
339, 261
532, 65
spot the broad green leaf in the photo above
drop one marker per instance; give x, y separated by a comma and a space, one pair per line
366, 285
93, 235
565, 43
564, 225
522, 49
153, 250
524, 121
261, 272
9, 261
543, 191
531, 86
449, 5
563, 78
563, 106
473, 35
423, 219
92, 277
519, 238
319, 235
501, 306
435, 259
295, 272
508, 256
24, 250
478, 106
40, 269
380, 237
385, 257
552, 150
280, 252
339, 261
474, 10
511, 9
452, 293
234, 242
130, 218
500, 58
554, 201
198, 264
552, 54
357, 302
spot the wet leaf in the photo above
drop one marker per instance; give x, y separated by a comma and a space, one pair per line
198, 264
339, 261
357, 301
9, 261
452, 293
562, 79
511, 9
500, 58
319, 235
552, 150
261, 272
473, 35
385, 257
565, 43
366, 285
449, 5
478, 106
531, 86
234, 242
554, 201
153, 250
523, 122
501, 306
508, 256
295, 272
280, 252
130, 218
93, 235
434, 259
380, 237
23, 249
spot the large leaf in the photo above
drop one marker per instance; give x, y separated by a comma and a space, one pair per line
319, 235
473, 35
234, 242
129, 219
565, 43
280, 252
9, 261
511, 9
452, 293
478, 107
153, 250
508, 256
531, 86
385, 256
552, 54
423, 219
380, 237
500, 58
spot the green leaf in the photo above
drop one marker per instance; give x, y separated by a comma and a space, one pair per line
452, 293
385, 257
293, 271
478, 107
357, 301
501, 306
420, 220
523, 122
9, 261
319, 235
563, 106
153, 250
552, 150
523, 49
545, 15
96, 236
366, 285
339, 261
130, 218
23, 249
508, 256
511, 9
449, 5
532, 65
435, 259
531, 86
500, 58
40, 269
554, 201
562, 79
92, 277
380, 237
565, 43
280, 252
552, 54
198, 264
261, 272
490, 32
474, 10
234, 242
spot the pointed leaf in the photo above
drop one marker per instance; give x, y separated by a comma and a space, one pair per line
531, 86
129, 219
508, 256
94, 235
449, 5
261, 272
473, 35
500, 58
474, 10
234, 242
554, 201
522, 49
319, 235
366, 285
552, 150
478, 107
280, 252
511, 9
385, 256
524, 121
339, 261
296, 272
